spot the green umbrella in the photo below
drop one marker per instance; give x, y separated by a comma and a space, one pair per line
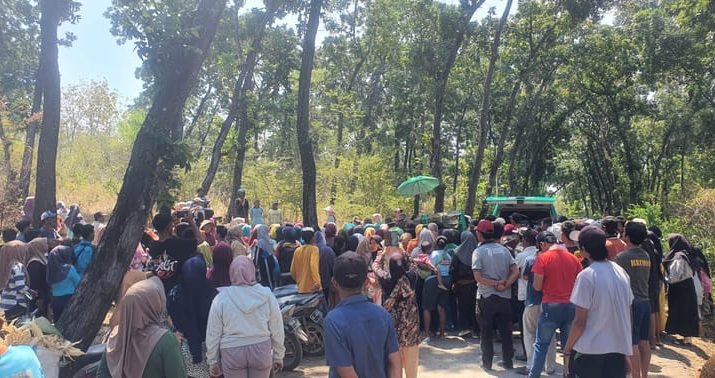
418, 185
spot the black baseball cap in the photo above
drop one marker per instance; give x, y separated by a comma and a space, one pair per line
350, 270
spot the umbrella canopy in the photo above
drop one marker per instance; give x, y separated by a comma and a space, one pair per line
418, 185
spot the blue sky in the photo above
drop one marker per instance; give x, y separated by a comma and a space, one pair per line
95, 55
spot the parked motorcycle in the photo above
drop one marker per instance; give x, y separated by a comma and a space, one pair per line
294, 338
308, 311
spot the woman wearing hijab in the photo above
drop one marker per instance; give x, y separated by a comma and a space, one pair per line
331, 232
138, 346
434, 229
131, 277
353, 243
264, 258
244, 337
399, 299
682, 298
285, 251
373, 286
188, 304
12, 278
36, 264
62, 277
414, 243
425, 235
327, 260
465, 289
218, 275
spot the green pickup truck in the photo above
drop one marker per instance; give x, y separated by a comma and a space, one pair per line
534, 208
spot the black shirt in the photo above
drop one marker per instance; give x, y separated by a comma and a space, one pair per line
168, 256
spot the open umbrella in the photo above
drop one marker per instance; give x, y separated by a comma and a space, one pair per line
418, 185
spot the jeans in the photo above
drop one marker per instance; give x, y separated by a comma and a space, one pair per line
553, 316
491, 309
530, 318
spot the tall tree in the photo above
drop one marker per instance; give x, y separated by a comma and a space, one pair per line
476, 168
241, 86
52, 12
154, 155
307, 158
467, 9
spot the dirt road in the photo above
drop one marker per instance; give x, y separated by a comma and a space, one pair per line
455, 357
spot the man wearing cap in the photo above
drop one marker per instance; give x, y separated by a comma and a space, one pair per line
49, 222
600, 338
555, 271
360, 338
495, 271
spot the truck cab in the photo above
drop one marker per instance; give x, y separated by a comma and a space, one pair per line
534, 208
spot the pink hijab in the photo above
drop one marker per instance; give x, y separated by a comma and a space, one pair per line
242, 271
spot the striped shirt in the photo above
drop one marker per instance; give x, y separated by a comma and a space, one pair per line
13, 294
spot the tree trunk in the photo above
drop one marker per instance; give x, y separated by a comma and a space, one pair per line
45, 180
441, 87
305, 145
476, 169
30, 135
239, 93
241, 140
199, 112
136, 197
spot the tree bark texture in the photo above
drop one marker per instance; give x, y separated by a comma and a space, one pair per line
441, 87
45, 180
484, 116
30, 136
87, 309
305, 144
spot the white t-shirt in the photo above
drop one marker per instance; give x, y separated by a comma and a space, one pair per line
521, 264
604, 289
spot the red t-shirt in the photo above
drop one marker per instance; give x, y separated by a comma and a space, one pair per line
559, 268
614, 246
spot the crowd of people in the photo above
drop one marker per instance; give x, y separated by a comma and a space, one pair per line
595, 289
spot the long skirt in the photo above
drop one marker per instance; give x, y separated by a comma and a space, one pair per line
682, 309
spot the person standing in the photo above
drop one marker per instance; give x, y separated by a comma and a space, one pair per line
49, 226
600, 337
683, 316
613, 243
532, 304
555, 271
62, 277
360, 337
399, 299
495, 271
242, 205
256, 214
13, 277
465, 289
326, 263
138, 346
244, 335
275, 215
636, 262
305, 265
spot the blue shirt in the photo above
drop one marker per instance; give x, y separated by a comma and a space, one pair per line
83, 253
533, 297
360, 334
68, 285
442, 261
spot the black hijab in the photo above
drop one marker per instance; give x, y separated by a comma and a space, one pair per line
59, 262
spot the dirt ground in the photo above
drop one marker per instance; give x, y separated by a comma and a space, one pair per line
460, 357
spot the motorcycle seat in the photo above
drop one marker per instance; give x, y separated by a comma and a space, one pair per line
283, 291
298, 299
